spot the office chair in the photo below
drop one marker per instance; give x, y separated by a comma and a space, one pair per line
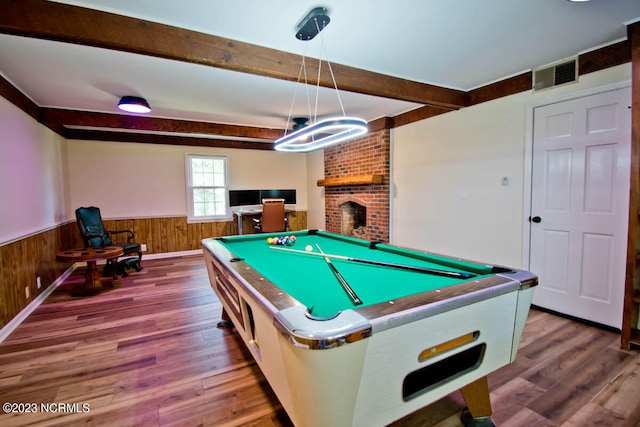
94, 234
273, 218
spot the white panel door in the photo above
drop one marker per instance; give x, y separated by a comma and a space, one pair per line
580, 205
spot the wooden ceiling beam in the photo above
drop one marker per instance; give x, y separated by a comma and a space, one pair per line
605, 57
506, 87
59, 119
148, 138
72, 24
17, 98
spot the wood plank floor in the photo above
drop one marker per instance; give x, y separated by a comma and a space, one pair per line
147, 353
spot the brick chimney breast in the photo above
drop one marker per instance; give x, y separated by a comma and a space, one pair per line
367, 155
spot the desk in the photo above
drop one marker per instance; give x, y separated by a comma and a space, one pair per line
257, 212
92, 284
414, 339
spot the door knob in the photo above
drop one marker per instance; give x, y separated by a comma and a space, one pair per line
535, 219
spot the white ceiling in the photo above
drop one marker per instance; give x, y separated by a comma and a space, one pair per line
461, 44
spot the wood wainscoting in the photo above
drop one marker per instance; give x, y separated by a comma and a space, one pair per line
174, 234
26, 259
23, 261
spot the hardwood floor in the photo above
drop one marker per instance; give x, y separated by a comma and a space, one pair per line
148, 353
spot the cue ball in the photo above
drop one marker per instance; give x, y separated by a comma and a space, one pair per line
308, 248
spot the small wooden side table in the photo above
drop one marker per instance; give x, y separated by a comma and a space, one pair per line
92, 284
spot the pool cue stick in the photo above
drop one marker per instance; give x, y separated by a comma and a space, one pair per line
343, 282
425, 270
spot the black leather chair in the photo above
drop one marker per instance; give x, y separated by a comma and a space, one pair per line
94, 234
273, 218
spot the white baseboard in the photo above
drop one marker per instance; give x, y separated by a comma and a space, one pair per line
25, 312
20, 317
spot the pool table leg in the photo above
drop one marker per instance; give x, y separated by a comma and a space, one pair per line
478, 410
225, 321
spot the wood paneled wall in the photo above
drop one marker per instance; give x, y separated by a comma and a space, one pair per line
22, 261
174, 234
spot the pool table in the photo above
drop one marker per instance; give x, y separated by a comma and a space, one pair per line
421, 325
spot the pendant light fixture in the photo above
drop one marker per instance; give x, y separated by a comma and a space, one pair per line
330, 131
134, 104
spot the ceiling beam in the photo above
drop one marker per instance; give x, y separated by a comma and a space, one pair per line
72, 24
60, 120
17, 98
506, 87
149, 138
605, 57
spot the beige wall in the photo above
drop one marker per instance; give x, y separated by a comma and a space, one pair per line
315, 171
439, 160
32, 163
142, 180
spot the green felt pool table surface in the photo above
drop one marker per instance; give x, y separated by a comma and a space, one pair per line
309, 279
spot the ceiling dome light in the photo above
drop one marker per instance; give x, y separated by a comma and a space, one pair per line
134, 104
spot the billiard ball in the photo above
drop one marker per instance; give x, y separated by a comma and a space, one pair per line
308, 248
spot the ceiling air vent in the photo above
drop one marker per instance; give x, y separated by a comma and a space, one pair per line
555, 75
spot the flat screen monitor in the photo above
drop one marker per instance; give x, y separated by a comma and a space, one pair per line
289, 196
244, 197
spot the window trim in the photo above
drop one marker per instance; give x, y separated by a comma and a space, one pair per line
191, 218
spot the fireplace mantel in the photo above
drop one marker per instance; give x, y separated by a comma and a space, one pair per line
350, 180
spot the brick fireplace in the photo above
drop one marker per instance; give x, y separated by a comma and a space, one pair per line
368, 203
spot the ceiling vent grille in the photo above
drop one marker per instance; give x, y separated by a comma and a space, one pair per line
555, 75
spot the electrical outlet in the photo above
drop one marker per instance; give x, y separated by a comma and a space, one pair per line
38, 283
26, 291
143, 247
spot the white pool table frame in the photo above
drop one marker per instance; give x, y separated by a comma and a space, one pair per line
354, 376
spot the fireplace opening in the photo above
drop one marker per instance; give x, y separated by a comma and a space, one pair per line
353, 219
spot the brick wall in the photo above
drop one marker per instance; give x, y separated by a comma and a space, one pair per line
367, 155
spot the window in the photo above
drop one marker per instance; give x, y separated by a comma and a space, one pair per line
206, 187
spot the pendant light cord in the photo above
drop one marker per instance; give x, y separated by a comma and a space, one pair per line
303, 71
333, 78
